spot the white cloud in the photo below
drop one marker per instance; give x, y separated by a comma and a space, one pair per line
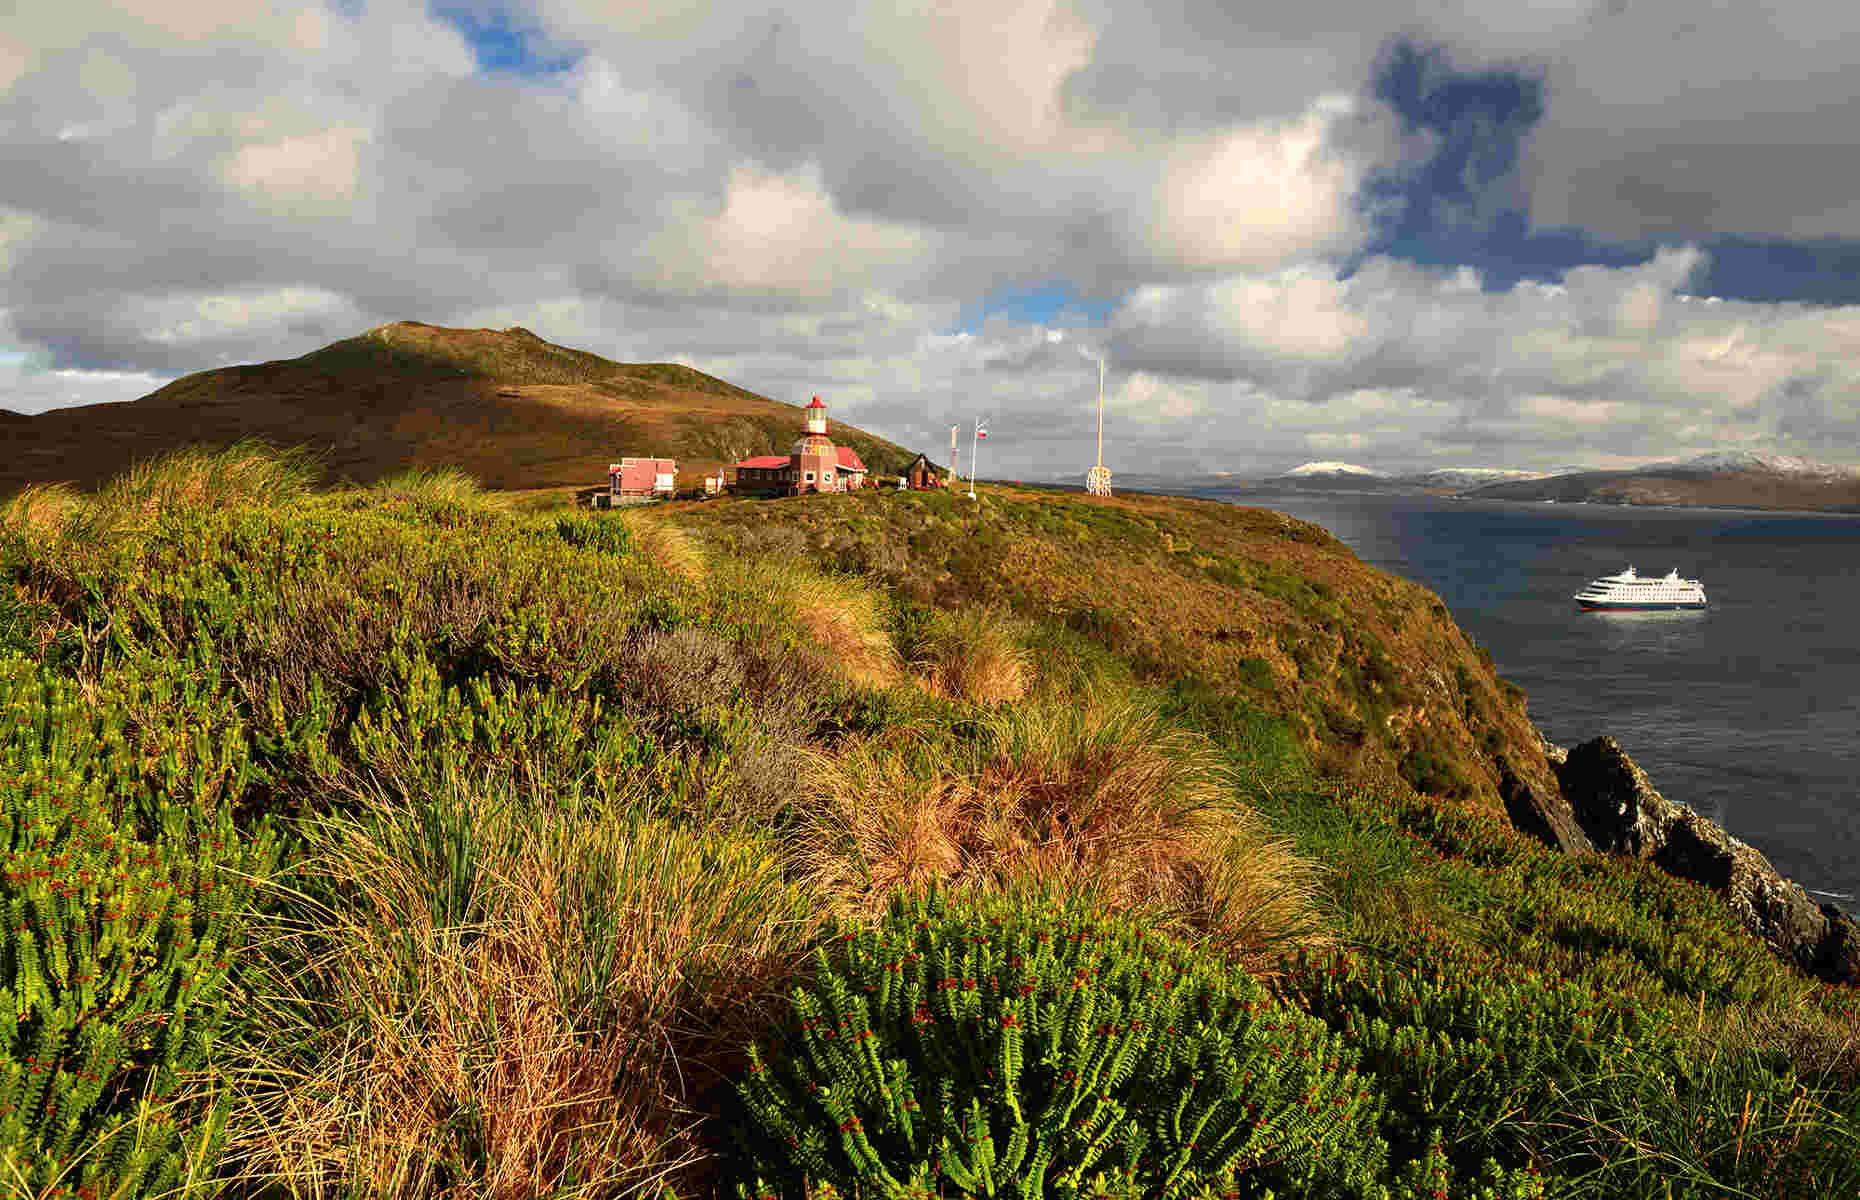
1261, 195
1613, 361
209, 320
315, 173
782, 233
25, 388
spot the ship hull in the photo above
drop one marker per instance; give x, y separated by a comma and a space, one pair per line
1605, 606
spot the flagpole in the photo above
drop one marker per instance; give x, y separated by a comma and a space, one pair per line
1101, 414
975, 437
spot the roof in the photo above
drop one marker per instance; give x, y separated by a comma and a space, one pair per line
848, 458
765, 460
815, 403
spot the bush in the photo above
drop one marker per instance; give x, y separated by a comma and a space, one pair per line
124, 904
1013, 1048
610, 535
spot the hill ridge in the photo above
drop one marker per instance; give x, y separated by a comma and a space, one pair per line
508, 406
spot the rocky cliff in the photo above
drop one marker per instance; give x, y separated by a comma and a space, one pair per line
1616, 810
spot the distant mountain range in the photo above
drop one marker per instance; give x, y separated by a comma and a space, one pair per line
1734, 479
1724, 479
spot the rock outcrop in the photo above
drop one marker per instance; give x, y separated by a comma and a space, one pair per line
1542, 812
1619, 812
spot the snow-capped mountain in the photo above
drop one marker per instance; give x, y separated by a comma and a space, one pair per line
1307, 470
1735, 462
1469, 477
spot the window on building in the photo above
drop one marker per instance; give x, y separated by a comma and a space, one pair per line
808, 477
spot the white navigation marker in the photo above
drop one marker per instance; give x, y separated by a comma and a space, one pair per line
1098, 479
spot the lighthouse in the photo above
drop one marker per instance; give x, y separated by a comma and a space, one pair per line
816, 465
812, 464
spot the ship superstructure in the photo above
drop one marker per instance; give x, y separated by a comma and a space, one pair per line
1629, 591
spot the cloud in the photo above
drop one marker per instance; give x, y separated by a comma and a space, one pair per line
812, 198
1609, 362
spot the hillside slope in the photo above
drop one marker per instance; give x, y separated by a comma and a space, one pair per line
410, 834
510, 408
1249, 610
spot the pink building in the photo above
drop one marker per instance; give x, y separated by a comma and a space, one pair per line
642, 477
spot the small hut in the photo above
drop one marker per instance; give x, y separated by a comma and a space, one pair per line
921, 475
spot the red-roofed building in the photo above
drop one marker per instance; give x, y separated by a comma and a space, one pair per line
642, 477
852, 467
813, 464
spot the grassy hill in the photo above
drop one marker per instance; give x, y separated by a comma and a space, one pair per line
1251, 617
510, 408
398, 841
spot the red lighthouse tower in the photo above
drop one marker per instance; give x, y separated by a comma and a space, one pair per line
816, 466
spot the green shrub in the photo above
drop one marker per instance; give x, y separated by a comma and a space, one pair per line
1005, 1047
123, 903
610, 535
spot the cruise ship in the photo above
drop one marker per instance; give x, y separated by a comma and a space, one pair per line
1630, 592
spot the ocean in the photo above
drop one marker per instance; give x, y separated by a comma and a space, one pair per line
1749, 711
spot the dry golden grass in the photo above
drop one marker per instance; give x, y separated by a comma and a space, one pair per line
434, 485
507, 1003
838, 622
40, 513
209, 477
674, 550
1104, 802
971, 655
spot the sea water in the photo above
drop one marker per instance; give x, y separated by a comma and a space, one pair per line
1749, 710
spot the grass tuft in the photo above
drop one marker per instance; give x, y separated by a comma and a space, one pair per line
836, 622
671, 548
202, 477
436, 485
972, 656
1105, 802
478, 996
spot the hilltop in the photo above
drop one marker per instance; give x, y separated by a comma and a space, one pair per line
511, 409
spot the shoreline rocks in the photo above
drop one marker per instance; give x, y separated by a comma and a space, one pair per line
1618, 811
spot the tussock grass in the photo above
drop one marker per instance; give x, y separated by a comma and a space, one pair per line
972, 656
1104, 802
41, 512
200, 477
835, 623
672, 549
443, 485
472, 996
62, 531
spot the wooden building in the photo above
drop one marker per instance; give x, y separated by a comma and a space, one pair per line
922, 475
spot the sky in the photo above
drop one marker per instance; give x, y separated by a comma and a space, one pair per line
1446, 233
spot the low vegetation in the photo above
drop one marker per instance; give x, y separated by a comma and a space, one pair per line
404, 841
